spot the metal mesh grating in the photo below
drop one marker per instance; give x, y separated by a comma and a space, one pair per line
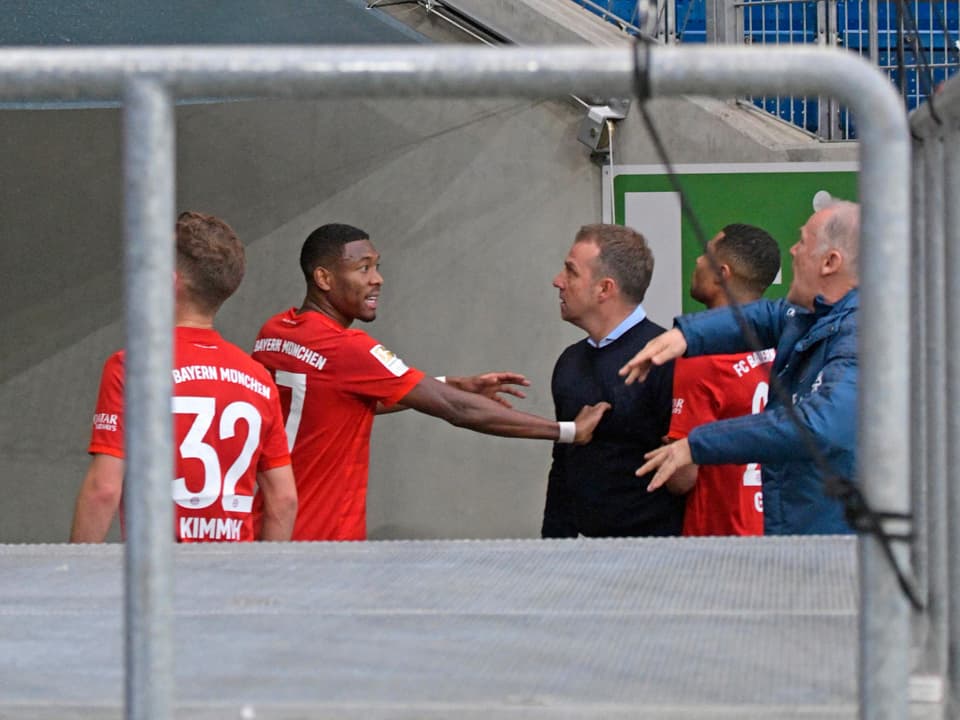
665, 628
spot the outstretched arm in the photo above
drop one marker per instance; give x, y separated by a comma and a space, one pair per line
711, 331
481, 414
98, 499
489, 385
492, 384
823, 420
659, 351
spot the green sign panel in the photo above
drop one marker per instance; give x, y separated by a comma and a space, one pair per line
776, 197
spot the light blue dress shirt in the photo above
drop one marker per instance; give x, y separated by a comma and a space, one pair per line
634, 318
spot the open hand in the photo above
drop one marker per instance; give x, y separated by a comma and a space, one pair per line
492, 384
662, 349
587, 420
666, 460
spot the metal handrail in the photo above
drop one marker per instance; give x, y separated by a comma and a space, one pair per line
149, 79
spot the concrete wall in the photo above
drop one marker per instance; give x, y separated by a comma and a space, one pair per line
472, 204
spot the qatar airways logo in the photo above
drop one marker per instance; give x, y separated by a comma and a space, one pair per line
105, 421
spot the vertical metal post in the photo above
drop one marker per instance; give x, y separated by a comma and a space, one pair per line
721, 17
951, 197
873, 31
901, 58
884, 667
833, 40
670, 20
918, 382
883, 469
660, 26
823, 40
148, 163
883, 450
934, 657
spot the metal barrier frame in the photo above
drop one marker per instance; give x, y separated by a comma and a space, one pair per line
936, 229
149, 79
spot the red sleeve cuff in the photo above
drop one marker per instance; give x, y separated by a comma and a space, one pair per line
413, 376
271, 463
95, 449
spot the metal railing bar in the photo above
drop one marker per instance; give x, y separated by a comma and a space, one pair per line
454, 71
148, 168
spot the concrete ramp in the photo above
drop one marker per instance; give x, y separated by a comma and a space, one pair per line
640, 628
184, 22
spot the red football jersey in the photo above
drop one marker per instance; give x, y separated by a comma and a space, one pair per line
330, 379
727, 499
227, 427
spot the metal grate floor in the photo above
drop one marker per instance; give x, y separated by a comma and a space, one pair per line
639, 628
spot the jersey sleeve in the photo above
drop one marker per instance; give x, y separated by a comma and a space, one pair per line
694, 401
373, 372
275, 451
107, 434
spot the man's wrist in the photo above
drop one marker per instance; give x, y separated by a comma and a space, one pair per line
568, 432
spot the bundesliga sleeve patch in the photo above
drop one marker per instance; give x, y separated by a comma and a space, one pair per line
390, 361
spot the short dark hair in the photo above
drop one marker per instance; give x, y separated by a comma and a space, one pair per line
324, 246
752, 254
624, 256
210, 259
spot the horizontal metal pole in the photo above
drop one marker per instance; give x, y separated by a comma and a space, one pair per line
444, 71
311, 72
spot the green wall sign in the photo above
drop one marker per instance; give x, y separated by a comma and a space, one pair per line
775, 196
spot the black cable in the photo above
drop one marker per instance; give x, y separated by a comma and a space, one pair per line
924, 71
860, 515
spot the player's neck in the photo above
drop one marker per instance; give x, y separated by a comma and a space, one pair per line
312, 305
186, 317
722, 299
196, 324
734, 292
608, 319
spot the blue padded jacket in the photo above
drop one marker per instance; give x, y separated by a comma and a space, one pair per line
817, 365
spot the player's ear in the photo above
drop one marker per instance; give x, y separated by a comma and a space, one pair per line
322, 278
606, 288
831, 262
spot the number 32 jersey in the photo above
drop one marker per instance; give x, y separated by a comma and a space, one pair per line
331, 379
227, 426
727, 499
